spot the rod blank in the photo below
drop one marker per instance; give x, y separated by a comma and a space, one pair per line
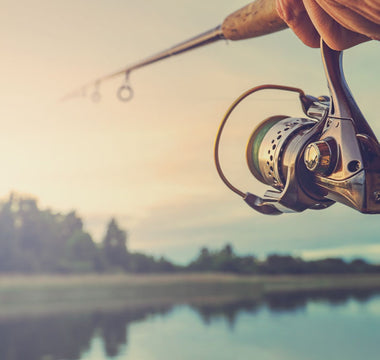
256, 19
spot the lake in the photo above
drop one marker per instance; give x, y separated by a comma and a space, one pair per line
306, 325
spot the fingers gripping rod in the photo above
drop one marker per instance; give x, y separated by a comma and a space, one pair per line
256, 19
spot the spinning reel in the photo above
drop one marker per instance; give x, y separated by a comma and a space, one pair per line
311, 163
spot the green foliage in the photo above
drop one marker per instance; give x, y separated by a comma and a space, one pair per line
282, 264
34, 240
141, 263
223, 260
41, 241
114, 246
80, 253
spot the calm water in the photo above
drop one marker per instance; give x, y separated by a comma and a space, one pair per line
332, 325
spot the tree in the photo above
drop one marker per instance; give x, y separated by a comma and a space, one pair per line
35, 240
282, 264
80, 253
115, 246
204, 261
7, 236
224, 260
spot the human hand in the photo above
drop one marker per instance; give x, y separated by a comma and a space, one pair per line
341, 23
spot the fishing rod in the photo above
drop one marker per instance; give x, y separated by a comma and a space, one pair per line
331, 155
255, 19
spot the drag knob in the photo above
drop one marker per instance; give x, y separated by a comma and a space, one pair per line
319, 157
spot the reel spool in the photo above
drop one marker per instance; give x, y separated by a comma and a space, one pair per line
311, 163
267, 145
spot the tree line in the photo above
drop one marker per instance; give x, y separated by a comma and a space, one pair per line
225, 260
33, 240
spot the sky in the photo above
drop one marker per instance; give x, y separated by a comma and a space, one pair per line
149, 162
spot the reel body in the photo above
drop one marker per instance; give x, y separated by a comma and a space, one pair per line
330, 156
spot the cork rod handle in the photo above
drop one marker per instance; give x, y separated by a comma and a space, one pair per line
257, 18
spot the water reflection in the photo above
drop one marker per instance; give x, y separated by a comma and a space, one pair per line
62, 336
282, 302
59, 337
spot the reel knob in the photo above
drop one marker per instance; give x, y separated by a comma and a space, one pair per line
319, 157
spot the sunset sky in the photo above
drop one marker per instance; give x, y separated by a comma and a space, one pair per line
149, 162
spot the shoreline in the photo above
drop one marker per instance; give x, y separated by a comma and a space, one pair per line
37, 295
